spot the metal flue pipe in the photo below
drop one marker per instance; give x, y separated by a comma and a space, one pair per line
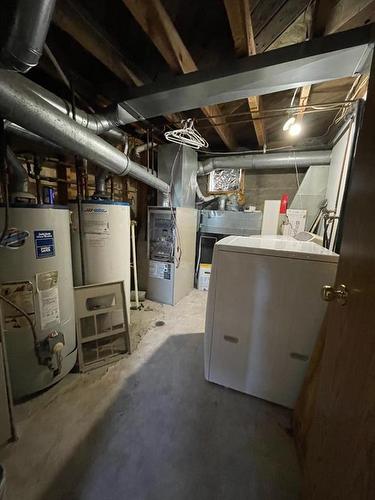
30, 25
100, 188
263, 161
27, 109
19, 180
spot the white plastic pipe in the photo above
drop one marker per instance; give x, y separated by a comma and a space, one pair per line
135, 273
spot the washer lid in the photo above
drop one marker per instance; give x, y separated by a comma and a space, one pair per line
277, 246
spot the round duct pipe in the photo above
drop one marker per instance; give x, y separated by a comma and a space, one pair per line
265, 161
29, 30
24, 107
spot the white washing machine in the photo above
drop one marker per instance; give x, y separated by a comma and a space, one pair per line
264, 313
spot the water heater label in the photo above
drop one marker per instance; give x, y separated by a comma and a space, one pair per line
44, 244
96, 220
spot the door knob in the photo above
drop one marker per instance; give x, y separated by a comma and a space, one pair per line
330, 293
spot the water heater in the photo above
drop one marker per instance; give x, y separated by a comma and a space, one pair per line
106, 243
36, 274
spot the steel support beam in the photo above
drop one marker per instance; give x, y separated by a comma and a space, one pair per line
321, 59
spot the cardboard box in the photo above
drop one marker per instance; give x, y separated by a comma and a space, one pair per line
204, 276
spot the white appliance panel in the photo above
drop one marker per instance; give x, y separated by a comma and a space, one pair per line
264, 313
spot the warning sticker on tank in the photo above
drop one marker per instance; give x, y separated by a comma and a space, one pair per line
49, 307
44, 244
96, 220
48, 298
161, 270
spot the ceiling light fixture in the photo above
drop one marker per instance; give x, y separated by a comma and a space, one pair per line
295, 129
292, 126
290, 121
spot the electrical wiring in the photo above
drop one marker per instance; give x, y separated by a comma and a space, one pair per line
244, 152
268, 117
356, 87
4, 180
267, 113
178, 256
294, 96
24, 314
297, 181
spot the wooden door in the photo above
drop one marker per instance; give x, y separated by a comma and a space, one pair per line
340, 453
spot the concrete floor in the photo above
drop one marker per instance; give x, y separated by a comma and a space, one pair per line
150, 427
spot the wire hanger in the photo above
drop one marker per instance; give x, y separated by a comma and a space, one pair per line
187, 136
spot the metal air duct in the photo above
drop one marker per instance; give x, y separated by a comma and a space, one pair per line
98, 123
29, 138
24, 107
19, 180
266, 161
29, 30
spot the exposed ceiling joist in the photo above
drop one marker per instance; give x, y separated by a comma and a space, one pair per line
329, 58
306, 89
330, 17
303, 100
239, 16
78, 25
347, 14
238, 12
156, 23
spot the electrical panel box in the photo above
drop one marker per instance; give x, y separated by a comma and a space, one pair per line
171, 253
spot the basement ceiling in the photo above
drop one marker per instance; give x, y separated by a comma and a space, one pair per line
107, 47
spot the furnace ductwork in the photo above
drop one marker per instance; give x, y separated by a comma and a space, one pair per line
29, 30
23, 106
263, 161
98, 123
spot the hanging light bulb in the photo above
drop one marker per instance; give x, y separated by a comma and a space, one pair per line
295, 129
290, 121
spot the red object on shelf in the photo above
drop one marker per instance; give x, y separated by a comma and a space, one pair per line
284, 204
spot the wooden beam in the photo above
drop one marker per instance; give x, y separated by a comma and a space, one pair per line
156, 23
306, 89
239, 16
303, 100
78, 25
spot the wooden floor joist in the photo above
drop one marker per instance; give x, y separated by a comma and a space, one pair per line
157, 24
239, 16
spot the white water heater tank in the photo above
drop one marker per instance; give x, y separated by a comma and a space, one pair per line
106, 243
37, 276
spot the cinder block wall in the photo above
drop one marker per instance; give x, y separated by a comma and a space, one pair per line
270, 185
